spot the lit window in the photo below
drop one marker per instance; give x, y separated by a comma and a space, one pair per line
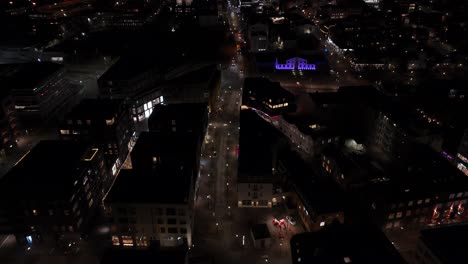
65, 132
127, 241
115, 241
322, 223
35, 212
110, 122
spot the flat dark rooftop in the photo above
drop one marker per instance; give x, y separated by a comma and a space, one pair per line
191, 114
179, 145
26, 76
260, 231
342, 244
311, 188
95, 109
46, 172
256, 143
447, 243
165, 186
264, 88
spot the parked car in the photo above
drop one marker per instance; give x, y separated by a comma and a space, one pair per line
291, 220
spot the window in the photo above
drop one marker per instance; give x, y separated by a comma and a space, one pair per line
115, 241
110, 122
427, 200
171, 221
399, 214
159, 211
410, 203
451, 196
183, 230
170, 211
127, 241
64, 131
322, 223
162, 230
35, 212
181, 211
160, 221
419, 201
172, 230
182, 221
122, 211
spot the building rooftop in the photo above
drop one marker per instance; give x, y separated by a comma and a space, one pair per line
264, 89
26, 76
190, 115
343, 244
90, 109
257, 142
425, 175
164, 186
260, 231
164, 167
448, 244
47, 172
176, 149
311, 188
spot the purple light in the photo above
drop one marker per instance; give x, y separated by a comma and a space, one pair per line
295, 63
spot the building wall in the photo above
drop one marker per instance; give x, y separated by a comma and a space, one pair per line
254, 194
44, 219
9, 126
139, 225
315, 221
113, 137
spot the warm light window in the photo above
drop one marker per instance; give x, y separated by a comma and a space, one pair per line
127, 241
65, 132
35, 212
142, 241
110, 122
115, 241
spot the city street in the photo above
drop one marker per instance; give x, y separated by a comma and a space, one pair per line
221, 229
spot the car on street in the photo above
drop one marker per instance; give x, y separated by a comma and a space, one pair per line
291, 220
